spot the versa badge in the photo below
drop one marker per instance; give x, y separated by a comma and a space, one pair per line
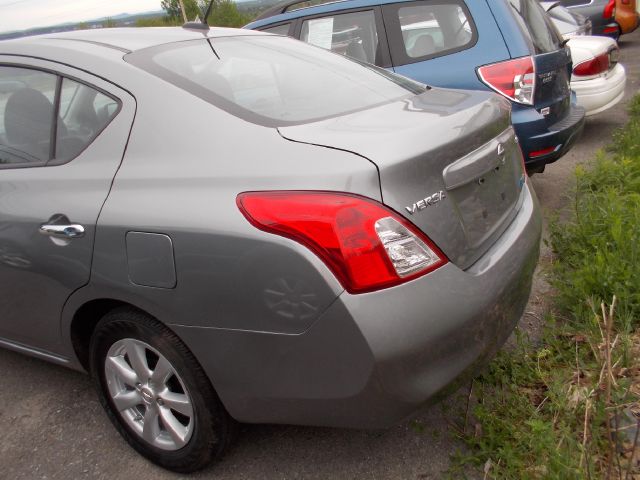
426, 202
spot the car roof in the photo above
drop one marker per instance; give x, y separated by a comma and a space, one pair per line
280, 8
275, 14
131, 39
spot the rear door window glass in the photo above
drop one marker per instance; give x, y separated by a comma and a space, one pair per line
26, 115
46, 118
433, 29
278, 29
272, 80
84, 112
352, 34
537, 25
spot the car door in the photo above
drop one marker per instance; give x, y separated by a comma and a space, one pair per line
63, 133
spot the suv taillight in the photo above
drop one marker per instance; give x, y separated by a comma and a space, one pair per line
609, 9
595, 66
365, 244
515, 79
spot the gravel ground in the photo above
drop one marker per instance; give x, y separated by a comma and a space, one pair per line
53, 427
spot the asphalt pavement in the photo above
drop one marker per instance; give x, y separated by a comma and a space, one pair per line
52, 426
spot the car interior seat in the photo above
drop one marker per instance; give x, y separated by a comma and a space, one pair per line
423, 46
356, 50
27, 122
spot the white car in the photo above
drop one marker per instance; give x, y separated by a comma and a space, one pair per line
598, 79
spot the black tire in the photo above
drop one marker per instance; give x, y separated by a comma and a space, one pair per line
212, 428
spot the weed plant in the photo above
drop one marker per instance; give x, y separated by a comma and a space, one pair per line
558, 407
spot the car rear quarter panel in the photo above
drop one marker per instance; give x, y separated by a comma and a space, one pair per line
372, 359
185, 164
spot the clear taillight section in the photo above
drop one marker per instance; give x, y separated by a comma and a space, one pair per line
515, 79
407, 252
365, 244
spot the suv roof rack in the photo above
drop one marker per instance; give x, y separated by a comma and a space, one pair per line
284, 7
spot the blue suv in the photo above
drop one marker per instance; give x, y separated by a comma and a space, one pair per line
509, 46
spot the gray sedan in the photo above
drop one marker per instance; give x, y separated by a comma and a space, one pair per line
226, 226
601, 14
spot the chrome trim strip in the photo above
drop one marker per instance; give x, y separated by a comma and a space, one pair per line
17, 347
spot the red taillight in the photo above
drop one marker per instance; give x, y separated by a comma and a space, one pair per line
595, 66
515, 79
610, 30
543, 152
609, 9
366, 245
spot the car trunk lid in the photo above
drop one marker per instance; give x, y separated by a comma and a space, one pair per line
448, 161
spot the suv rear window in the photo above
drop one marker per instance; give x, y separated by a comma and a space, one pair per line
272, 81
537, 25
433, 29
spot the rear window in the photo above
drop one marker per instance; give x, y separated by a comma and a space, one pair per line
272, 80
434, 29
537, 25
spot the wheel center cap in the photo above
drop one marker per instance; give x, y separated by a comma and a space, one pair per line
147, 394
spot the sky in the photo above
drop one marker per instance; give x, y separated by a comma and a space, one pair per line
23, 14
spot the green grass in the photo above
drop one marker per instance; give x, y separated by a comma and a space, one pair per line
163, 21
545, 409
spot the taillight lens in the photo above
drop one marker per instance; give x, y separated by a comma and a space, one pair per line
609, 9
543, 152
595, 66
515, 79
365, 244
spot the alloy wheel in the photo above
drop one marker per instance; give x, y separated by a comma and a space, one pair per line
148, 394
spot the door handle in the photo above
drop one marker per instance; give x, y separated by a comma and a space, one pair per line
62, 231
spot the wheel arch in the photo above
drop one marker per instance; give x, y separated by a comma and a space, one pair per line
82, 312
84, 321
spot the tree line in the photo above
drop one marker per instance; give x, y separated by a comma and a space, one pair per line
224, 13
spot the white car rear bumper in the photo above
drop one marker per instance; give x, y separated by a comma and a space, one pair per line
601, 93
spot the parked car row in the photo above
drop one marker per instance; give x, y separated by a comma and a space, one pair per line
227, 225
510, 47
597, 78
607, 17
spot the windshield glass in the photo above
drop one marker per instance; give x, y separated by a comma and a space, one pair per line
272, 80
